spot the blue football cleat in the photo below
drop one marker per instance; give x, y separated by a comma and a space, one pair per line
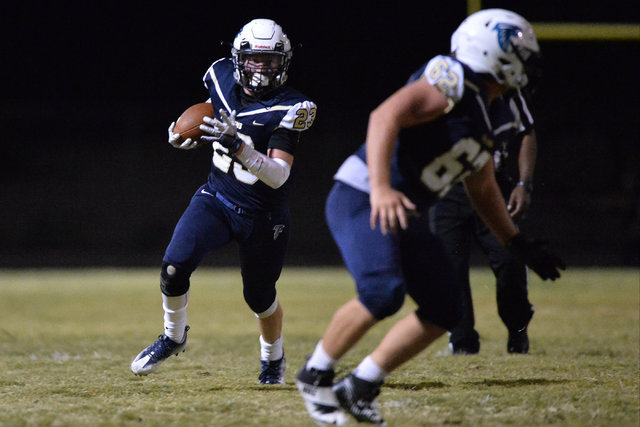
151, 357
273, 371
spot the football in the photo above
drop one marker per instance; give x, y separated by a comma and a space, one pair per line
188, 124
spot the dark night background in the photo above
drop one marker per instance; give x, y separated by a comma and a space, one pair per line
88, 90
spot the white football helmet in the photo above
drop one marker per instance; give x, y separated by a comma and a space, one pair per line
261, 56
499, 42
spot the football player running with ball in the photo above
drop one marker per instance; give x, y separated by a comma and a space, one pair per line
256, 129
420, 141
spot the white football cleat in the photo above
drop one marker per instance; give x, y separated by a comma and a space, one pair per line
315, 387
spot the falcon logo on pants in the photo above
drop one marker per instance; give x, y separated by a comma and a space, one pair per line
277, 229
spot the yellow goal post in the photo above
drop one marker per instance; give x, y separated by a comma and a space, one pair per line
577, 31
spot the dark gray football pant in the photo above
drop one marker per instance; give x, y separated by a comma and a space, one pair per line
453, 219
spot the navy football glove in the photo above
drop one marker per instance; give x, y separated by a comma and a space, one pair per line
535, 254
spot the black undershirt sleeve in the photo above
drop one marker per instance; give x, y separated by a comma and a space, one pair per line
285, 140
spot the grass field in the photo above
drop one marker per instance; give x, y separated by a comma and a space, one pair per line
67, 338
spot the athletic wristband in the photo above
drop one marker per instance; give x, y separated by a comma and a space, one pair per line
528, 187
231, 143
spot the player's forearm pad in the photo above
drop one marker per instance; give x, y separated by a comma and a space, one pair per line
273, 172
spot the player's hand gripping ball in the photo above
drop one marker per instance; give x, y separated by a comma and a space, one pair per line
185, 133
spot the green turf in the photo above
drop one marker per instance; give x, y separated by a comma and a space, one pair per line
67, 338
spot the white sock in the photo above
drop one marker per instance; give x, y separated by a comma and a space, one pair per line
271, 351
320, 359
175, 316
369, 371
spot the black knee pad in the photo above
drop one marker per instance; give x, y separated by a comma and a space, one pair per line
173, 281
259, 299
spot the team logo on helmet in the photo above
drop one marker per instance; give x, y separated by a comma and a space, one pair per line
505, 33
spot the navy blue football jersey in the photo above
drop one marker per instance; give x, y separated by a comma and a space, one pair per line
511, 120
257, 121
431, 157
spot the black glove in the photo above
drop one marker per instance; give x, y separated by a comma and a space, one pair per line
230, 143
535, 254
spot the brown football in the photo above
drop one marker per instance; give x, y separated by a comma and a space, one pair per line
188, 124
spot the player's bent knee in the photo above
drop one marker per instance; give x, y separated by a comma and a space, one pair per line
173, 280
384, 304
261, 300
269, 311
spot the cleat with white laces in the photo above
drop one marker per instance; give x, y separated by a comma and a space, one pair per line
151, 357
315, 387
357, 397
273, 371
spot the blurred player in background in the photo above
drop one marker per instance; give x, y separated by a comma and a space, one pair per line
430, 134
255, 132
455, 222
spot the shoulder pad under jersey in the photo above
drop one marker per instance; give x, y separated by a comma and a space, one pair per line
447, 75
300, 116
210, 73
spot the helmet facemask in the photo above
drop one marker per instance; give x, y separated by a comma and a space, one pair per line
532, 63
260, 71
520, 63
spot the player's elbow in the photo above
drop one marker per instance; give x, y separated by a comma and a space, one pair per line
277, 180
